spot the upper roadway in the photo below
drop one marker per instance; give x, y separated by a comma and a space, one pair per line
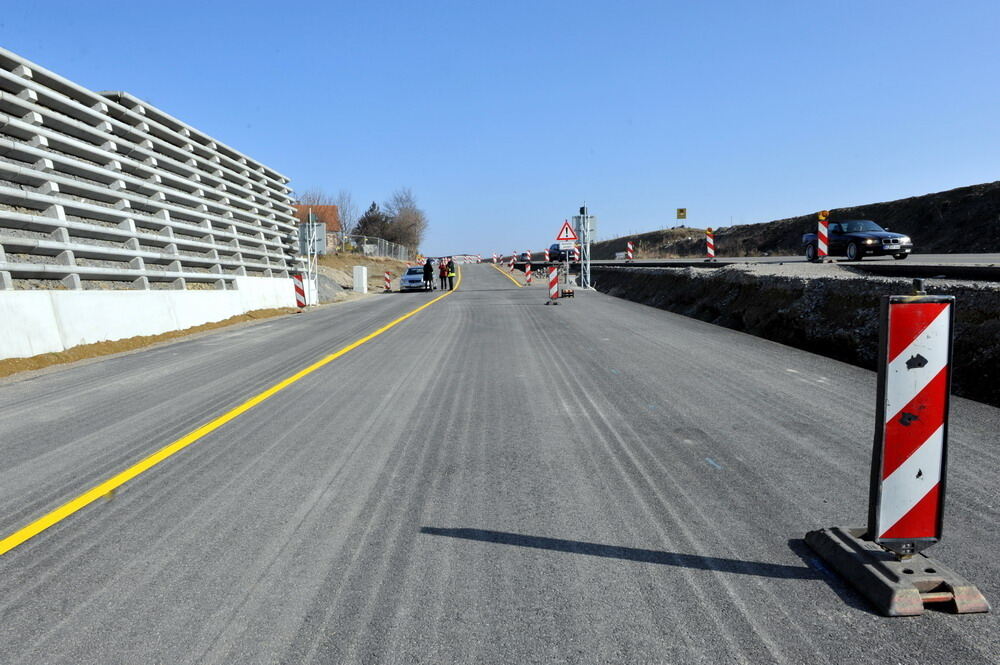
492, 480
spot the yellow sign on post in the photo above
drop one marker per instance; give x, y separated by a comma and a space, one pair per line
823, 214
682, 213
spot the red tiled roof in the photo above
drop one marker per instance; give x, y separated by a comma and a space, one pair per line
328, 215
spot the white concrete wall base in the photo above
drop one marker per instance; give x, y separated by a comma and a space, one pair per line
35, 322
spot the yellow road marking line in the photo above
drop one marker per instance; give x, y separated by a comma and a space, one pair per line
109, 485
500, 270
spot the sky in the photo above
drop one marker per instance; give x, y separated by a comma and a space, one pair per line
504, 117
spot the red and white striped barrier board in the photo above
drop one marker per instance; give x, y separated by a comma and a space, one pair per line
914, 383
553, 282
710, 243
388, 281
547, 255
527, 273
823, 239
513, 256
300, 292
576, 253
629, 251
529, 256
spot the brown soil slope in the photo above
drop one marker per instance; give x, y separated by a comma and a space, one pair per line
963, 220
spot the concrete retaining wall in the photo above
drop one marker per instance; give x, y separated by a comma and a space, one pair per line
834, 315
45, 321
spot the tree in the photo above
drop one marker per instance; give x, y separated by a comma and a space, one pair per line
408, 221
374, 223
348, 211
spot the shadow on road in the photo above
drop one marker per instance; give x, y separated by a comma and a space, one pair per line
629, 553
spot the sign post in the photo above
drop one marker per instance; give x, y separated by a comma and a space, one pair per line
823, 235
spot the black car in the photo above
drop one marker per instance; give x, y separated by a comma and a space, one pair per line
857, 239
556, 254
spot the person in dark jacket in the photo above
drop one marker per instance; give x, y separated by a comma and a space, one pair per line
428, 276
443, 274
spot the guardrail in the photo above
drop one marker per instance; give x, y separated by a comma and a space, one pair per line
104, 187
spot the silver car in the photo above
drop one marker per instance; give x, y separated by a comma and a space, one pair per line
413, 279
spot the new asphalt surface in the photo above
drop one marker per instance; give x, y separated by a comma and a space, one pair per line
493, 480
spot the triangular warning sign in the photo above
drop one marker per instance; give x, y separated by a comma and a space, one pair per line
566, 232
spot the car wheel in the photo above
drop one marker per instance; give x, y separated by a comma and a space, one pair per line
852, 252
899, 257
810, 252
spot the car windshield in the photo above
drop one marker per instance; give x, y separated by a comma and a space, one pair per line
415, 271
860, 226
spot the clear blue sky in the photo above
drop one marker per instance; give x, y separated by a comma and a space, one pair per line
503, 117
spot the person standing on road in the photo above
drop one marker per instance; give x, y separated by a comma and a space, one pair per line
428, 276
451, 275
443, 274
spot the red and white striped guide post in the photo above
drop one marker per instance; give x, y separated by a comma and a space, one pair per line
905, 506
576, 253
300, 292
547, 255
823, 235
527, 274
710, 242
553, 282
513, 257
494, 257
629, 251
388, 281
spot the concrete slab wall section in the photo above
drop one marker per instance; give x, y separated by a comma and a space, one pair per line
35, 322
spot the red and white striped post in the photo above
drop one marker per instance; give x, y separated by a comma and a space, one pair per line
300, 292
710, 243
823, 235
388, 281
909, 457
527, 274
576, 253
513, 257
629, 251
553, 283
546, 254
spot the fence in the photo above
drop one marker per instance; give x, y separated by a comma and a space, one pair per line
367, 246
104, 189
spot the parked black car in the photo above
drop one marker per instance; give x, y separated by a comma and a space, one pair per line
556, 254
857, 239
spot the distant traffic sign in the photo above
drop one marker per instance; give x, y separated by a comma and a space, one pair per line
682, 213
566, 233
566, 244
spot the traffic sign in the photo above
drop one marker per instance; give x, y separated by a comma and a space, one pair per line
682, 213
566, 233
566, 244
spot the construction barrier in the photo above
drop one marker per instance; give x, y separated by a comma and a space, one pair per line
527, 274
513, 257
908, 461
576, 253
710, 243
553, 283
547, 259
629, 251
823, 236
300, 292
388, 281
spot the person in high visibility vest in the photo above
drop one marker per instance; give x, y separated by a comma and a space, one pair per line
451, 274
443, 274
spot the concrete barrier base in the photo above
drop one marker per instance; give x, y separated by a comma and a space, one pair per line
895, 587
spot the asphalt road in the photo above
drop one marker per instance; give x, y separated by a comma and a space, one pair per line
493, 480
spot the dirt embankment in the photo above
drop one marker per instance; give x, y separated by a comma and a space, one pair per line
835, 315
963, 220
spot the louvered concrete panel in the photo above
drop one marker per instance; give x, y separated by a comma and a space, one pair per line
100, 186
